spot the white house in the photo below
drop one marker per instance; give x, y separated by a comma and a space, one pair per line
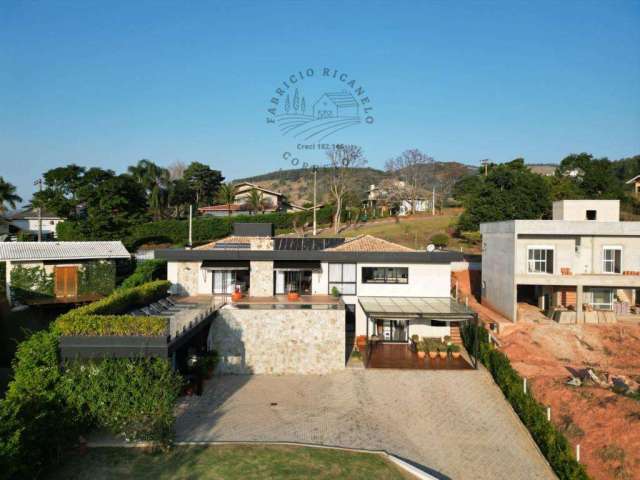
29, 221
363, 286
582, 261
336, 105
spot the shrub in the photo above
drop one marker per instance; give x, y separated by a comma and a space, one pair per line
146, 271
122, 325
132, 397
36, 425
553, 444
440, 240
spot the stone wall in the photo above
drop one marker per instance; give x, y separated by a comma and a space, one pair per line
261, 279
279, 341
183, 277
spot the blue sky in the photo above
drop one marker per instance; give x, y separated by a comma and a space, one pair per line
109, 83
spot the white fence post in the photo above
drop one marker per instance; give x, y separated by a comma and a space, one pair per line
524, 385
548, 414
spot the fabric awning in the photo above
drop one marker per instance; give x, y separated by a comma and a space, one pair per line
296, 266
225, 265
407, 308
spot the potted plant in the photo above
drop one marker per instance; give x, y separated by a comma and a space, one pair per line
361, 343
415, 341
432, 347
335, 292
421, 350
292, 296
442, 351
236, 295
455, 350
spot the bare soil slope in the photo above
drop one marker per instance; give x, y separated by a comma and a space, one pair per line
605, 424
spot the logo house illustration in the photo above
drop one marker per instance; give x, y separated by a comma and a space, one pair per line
330, 113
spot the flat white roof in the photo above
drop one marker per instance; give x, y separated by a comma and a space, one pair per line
562, 227
37, 251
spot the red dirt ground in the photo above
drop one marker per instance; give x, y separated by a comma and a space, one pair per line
604, 423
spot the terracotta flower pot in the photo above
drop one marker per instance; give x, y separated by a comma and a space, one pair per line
293, 296
361, 342
235, 296
433, 354
421, 355
455, 354
443, 355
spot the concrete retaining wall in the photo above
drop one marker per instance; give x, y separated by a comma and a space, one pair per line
279, 341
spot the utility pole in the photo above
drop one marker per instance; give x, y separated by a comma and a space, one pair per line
485, 163
190, 225
433, 201
315, 183
38, 182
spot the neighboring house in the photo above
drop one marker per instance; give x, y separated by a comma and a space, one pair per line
544, 169
360, 286
635, 181
28, 221
378, 199
336, 104
272, 202
583, 261
60, 272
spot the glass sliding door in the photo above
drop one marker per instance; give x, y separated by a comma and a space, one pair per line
227, 281
293, 281
392, 330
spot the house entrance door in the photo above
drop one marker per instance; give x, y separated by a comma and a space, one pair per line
66, 282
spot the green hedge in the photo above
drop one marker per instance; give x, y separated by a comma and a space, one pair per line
103, 316
552, 443
205, 229
114, 325
48, 404
146, 271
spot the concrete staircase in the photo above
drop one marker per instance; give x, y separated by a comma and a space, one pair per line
456, 337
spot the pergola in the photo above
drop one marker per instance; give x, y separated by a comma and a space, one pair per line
419, 308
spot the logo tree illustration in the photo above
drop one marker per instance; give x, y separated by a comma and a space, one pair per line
287, 104
296, 101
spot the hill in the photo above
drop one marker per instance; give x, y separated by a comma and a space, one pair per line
297, 184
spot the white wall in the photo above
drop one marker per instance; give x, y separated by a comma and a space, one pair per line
498, 269
576, 210
425, 280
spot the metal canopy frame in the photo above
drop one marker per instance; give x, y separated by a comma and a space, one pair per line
419, 308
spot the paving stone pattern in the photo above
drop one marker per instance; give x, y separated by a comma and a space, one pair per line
454, 422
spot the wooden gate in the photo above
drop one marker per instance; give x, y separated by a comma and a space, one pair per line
66, 282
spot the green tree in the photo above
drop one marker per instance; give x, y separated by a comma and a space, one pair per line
180, 195
204, 181
467, 188
154, 179
510, 191
8, 195
227, 195
594, 177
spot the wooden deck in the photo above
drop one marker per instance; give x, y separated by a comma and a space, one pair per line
399, 355
86, 298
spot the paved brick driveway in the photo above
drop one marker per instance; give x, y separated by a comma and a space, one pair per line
455, 422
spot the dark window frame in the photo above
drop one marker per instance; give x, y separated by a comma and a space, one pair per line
331, 284
386, 280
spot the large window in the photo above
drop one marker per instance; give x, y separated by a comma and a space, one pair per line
228, 281
599, 298
611, 260
343, 277
385, 275
293, 281
540, 260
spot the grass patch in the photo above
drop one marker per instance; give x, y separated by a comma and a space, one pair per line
413, 232
227, 462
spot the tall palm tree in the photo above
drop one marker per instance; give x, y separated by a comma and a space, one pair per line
255, 200
155, 180
8, 195
227, 195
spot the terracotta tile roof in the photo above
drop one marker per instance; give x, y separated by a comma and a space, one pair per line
230, 239
368, 243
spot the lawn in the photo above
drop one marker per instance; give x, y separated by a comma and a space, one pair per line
413, 231
227, 462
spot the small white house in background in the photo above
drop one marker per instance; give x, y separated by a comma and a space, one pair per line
60, 272
583, 261
362, 286
28, 221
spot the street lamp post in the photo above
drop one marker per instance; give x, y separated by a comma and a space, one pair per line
485, 164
